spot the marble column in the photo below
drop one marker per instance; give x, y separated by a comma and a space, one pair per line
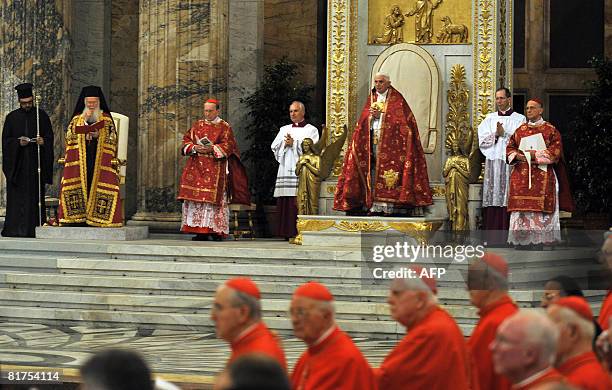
35, 48
183, 60
124, 85
91, 47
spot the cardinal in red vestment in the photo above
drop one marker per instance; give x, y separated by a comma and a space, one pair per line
524, 348
433, 354
605, 312
488, 288
237, 316
213, 176
575, 357
89, 189
536, 193
384, 165
606, 307
332, 361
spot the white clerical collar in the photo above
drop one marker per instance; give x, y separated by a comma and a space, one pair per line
324, 336
504, 112
384, 94
215, 121
539, 122
534, 377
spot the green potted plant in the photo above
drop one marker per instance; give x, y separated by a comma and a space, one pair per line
268, 111
590, 143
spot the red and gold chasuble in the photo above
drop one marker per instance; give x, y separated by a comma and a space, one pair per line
541, 196
401, 170
102, 205
205, 177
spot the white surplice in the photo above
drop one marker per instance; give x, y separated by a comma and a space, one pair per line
497, 172
287, 157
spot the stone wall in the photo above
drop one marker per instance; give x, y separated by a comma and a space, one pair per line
245, 62
290, 29
35, 47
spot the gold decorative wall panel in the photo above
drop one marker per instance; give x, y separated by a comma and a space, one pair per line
485, 74
503, 33
341, 71
419, 21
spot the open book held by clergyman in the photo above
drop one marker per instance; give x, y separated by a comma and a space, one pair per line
533, 142
204, 141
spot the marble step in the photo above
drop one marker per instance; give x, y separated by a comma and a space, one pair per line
163, 286
178, 321
28, 263
151, 286
260, 251
376, 329
520, 278
253, 252
206, 270
202, 305
190, 304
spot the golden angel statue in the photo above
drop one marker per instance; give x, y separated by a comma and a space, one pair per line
315, 165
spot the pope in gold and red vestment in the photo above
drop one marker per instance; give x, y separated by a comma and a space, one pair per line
397, 172
210, 181
534, 211
94, 200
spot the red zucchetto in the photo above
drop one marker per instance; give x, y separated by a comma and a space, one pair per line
313, 290
496, 262
578, 305
537, 100
244, 285
429, 281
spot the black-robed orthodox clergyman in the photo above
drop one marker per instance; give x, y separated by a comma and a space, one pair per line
20, 164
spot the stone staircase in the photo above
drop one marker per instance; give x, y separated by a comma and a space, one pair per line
168, 282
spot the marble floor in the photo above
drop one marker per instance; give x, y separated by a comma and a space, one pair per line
179, 356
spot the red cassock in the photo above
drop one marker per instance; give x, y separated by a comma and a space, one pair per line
261, 341
205, 177
401, 170
541, 196
432, 356
333, 364
551, 376
483, 335
605, 312
585, 372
